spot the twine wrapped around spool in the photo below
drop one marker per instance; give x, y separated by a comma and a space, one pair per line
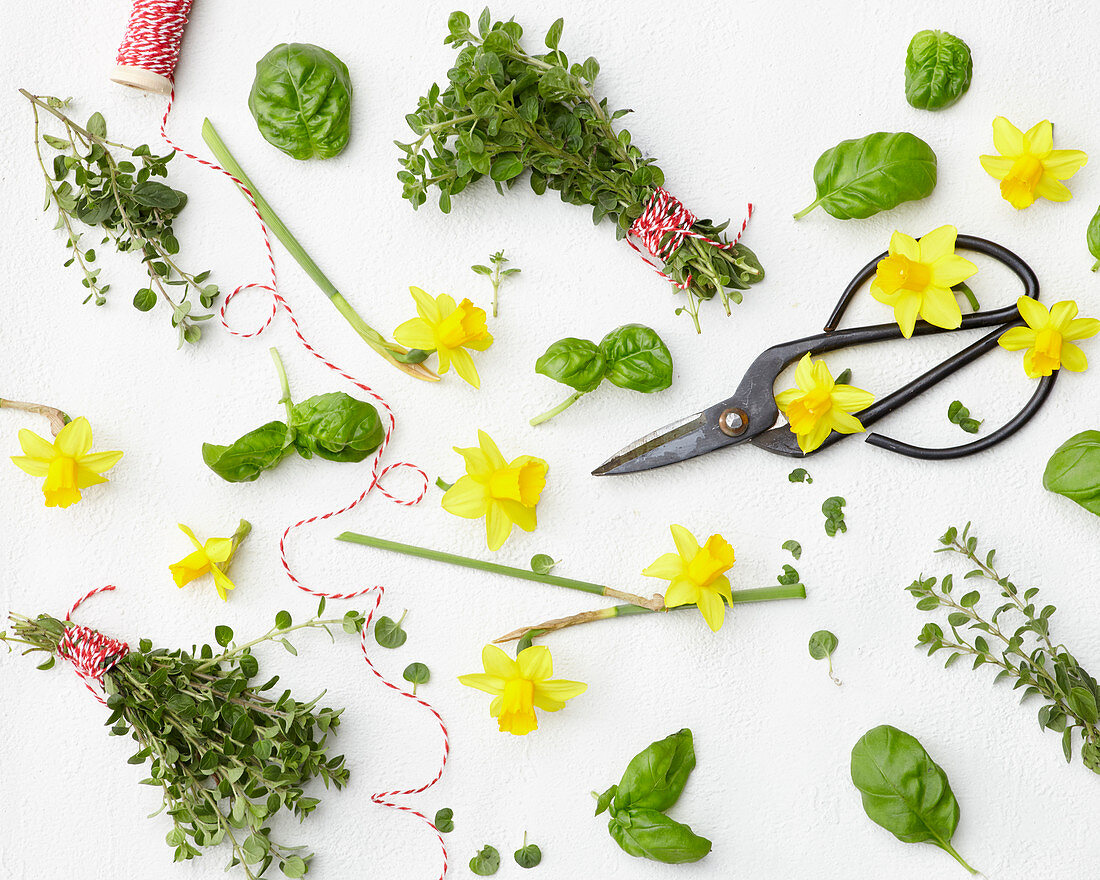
151, 46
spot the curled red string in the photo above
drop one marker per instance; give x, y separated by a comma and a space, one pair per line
378, 473
662, 227
91, 653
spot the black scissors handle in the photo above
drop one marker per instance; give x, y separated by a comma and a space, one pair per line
782, 442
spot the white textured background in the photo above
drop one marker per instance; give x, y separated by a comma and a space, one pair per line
737, 100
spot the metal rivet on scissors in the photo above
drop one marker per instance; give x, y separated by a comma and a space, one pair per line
751, 413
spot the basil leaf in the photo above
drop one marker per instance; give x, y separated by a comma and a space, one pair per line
858, 178
336, 426
604, 800
486, 862
1093, 238
650, 834
301, 100
637, 359
904, 790
578, 363
655, 776
245, 459
1074, 470
938, 69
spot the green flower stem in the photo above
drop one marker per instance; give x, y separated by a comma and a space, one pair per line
372, 337
56, 417
497, 568
561, 407
284, 382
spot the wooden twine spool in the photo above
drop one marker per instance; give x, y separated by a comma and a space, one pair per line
151, 46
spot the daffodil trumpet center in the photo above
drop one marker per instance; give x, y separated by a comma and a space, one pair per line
897, 272
1022, 178
522, 484
1048, 348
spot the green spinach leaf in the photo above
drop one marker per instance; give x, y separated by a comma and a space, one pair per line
301, 100
1092, 236
938, 69
637, 359
486, 862
1074, 470
336, 426
904, 790
858, 178
245, 459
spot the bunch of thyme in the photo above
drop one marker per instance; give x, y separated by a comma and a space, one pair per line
88, 184
1021, 647
227, 755
505, 111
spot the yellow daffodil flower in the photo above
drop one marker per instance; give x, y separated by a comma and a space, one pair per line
520, 686
1049, 337
818, 406
696, 575
67, 463
448, 330
505, 493
917, 276
1029, 166
212, 558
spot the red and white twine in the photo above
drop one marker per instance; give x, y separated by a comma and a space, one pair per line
664, 224
152, 41
91, 653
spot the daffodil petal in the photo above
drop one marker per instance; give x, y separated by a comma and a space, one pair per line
1063, 164
415, 333
559, 690
906, 245
524, 517
1061, 313
466, 498
490, 684
997, 166
497, 663
480, 344
218, 549
939, 307
35, 446
1081, 328
192, 566
446, 304
951, 270
86, 478
75, 439
464, 366
497, 527
1052, 189
222, 583
1007, 138
190, 534
1033, 312
721, 585
1016, 338
1040, 138
811, 440
712, 608
667, 567
100, 461
852, 399
491, 450
937, 244
686, 545
804, 372
425, 305
36, 467
681, 592
846, 423
535, 663
785, 398
1073, 358
906, 309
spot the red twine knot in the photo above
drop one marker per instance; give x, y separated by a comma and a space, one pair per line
662, 227
91, 653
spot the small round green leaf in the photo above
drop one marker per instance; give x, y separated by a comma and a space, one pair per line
223, 635
444, 820
486, 862
542, 564
528, 856
822, 644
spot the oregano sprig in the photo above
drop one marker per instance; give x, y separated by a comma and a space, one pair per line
1015, 638
89, 183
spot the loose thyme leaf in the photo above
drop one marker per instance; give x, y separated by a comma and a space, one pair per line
542, 564
388, 632
800, 475
444, 820
486, 862
416, 674
959, 415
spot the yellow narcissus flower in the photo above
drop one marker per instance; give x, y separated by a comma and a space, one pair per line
1049, 337
917, 276
1029, 166
818, 406
67, 463
448, 330
520, 686
696, 575
213, 558
505, 493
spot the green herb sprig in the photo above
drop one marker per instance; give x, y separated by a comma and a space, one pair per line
496, 274
957, 414
227, 755
504, 111
833, 508
1015, 639
88, 184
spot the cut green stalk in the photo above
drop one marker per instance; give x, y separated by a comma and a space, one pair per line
390, 351
637, 605
561, 407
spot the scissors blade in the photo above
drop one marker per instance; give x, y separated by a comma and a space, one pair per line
687, 438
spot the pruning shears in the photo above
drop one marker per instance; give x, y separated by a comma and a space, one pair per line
750, 414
